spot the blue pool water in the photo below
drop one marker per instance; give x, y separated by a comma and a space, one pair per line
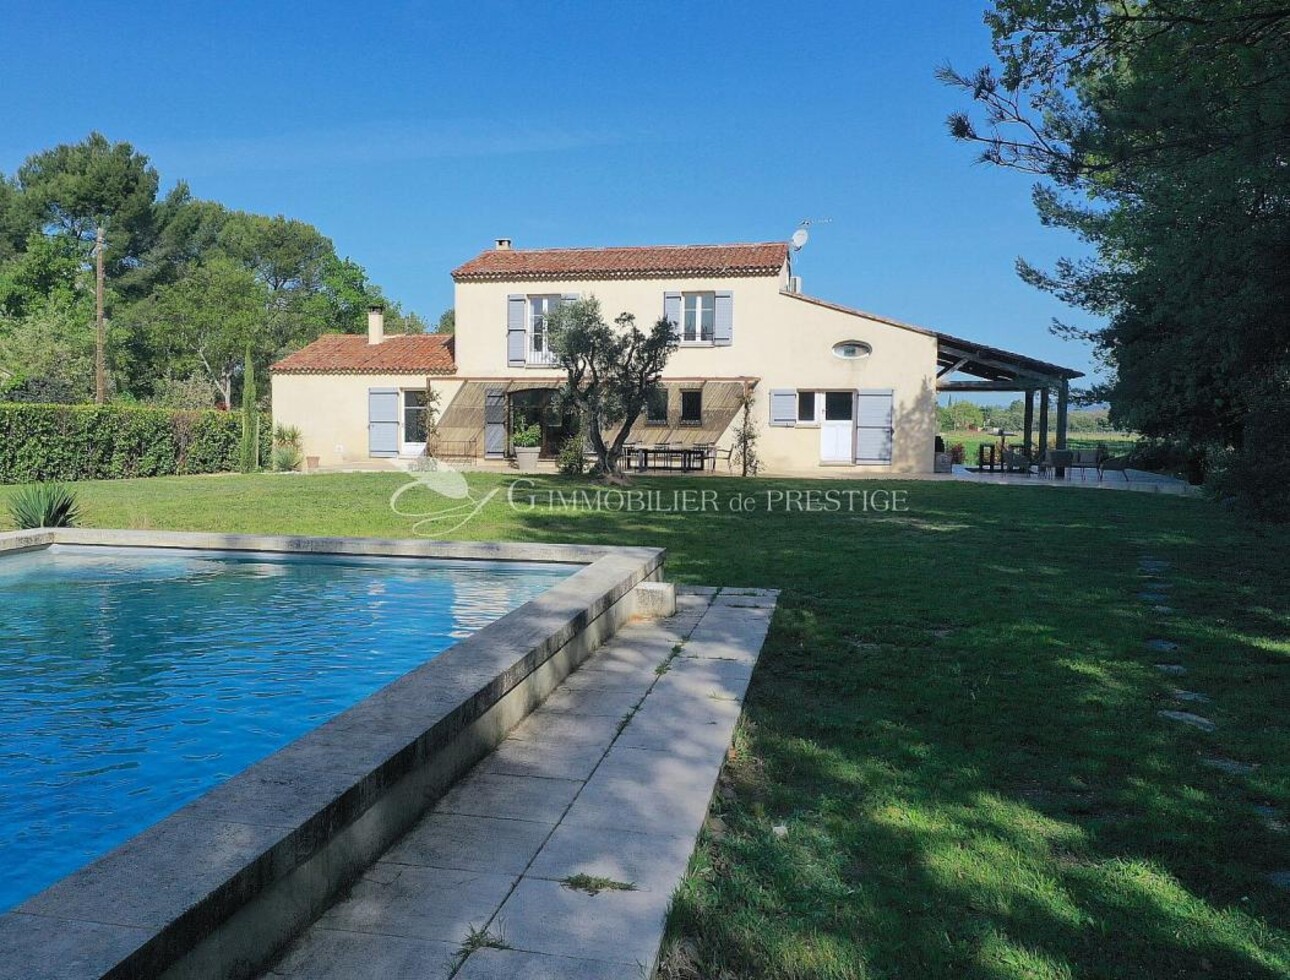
132, 681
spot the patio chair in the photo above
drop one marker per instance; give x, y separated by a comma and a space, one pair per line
1016, 461
1087, 459
715, 453
1114, 464
1056, 459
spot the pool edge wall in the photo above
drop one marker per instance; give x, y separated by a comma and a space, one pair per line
217, 888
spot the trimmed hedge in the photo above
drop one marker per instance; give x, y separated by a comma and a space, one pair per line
112, 442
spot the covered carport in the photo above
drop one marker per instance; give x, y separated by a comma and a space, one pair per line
990, 369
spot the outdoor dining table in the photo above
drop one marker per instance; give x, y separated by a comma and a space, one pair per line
683, 458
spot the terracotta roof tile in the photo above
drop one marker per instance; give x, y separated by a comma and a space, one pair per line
336, 353
759, 259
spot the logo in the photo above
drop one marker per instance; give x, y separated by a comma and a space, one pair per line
440, 480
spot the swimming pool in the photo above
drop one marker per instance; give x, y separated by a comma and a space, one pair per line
133, 680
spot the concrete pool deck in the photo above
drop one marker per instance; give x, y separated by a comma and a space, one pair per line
610, 779
215, 888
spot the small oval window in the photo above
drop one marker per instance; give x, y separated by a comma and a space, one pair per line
851, 350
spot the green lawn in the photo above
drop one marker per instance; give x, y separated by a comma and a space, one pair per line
954, 717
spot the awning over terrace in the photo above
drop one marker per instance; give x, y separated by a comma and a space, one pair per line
993, 369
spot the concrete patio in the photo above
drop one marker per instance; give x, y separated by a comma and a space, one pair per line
557, 855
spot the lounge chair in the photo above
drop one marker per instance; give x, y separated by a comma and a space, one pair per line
1056, 459
1016, 461
1114, 464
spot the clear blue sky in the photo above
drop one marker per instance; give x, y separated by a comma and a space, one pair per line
414, 133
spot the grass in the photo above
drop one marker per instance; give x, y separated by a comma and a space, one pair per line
955, 717
595, 884
480, 938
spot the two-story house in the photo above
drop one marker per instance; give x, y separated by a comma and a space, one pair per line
832, 386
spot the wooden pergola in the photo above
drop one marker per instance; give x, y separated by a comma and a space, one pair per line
993, 369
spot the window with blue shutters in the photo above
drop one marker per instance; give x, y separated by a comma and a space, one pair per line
702, 318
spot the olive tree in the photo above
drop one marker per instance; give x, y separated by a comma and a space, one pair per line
610, 372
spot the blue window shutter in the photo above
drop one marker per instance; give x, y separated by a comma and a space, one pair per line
382, 421
516, 334
672, 311
494, 422
723, 325
783, 406
874, 424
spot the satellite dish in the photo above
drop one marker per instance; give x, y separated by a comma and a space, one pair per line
799, 239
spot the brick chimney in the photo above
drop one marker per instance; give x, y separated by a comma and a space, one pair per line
375, 324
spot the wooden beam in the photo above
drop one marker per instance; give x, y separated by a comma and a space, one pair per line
988, 385
986, 361
951, 368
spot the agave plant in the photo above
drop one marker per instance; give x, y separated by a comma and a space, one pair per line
45, 505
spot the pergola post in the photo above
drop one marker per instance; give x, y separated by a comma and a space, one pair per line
1029, 444
1063, 396
1043, 422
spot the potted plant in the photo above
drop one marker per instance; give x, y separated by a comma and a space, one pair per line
526, 439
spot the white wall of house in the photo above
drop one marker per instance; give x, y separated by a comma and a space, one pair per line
783, 341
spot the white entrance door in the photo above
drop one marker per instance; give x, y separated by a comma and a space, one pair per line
837, 428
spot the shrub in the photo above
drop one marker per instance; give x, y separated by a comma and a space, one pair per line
41, 443
44, 505
1165, 456
958, 452
287, 454
1256, 478
286, 459
572, 460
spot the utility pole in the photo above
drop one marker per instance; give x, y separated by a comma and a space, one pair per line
100, 338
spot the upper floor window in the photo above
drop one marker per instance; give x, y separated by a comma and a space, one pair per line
539, 339
698, 317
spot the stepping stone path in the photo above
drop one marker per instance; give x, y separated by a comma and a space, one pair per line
1230, 765
1187, 718
1155, 593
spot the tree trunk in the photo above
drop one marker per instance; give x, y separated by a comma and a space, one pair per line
100, 329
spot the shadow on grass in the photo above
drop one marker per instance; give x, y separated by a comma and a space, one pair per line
955, 718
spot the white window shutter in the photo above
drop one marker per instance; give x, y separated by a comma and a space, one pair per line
723, 325
783, 406
516, 332
672, 311
874, 426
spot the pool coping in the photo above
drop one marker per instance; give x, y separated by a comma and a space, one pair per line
217, 887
